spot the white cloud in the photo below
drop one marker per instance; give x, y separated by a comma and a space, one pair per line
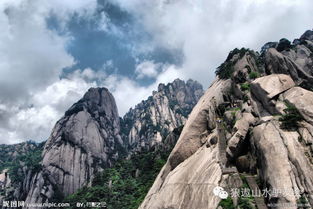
32, 59
33, 96
206, 30
49, 104
31, 55
147, 69
46, 107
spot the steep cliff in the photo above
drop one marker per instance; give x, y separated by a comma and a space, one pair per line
82, 143
252, 128
149, 131
125, 184
91, 137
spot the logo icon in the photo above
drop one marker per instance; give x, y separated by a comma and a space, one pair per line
220, 192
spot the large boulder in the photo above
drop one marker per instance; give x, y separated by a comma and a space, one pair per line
283, 162
302, 99
308, 35
236, 142
268, 87
276, 62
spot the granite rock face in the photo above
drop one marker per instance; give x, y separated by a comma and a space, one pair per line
267, 87
153, 119
234, 132
84, 141
284, 163
236, 129
91, 136
192, 169
297, 63
302, 99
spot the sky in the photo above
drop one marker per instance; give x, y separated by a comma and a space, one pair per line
52, 51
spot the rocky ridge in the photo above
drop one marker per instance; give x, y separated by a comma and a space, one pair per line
254, 121
153, 119
91, 137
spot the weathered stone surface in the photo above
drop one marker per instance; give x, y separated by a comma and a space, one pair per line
201, 119
306, 132
284, 158
236, 142
243, 67
303, 100
283, 163
185, 189
278, 63
243, 164
271, 85
5, 185
176, 186
151, 120
267, 87
90, 137
308, 35
17, 189
84, 141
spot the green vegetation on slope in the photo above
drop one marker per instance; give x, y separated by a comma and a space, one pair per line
244, 202
14, 157
290, 120
125, 184
225, 70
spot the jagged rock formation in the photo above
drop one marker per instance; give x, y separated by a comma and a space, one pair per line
84, 141
153, 119
91, 136
129, 179
244, 124
255, 120
175, 184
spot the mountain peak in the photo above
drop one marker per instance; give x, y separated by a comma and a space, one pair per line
96, 101
168, 108
308, 35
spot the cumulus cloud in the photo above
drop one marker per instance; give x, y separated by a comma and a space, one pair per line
147, 69
34, 92
32, 60
36, 120
207, 30
31, 55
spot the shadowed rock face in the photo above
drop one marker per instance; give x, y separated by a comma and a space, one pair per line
84, 141
241, 113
